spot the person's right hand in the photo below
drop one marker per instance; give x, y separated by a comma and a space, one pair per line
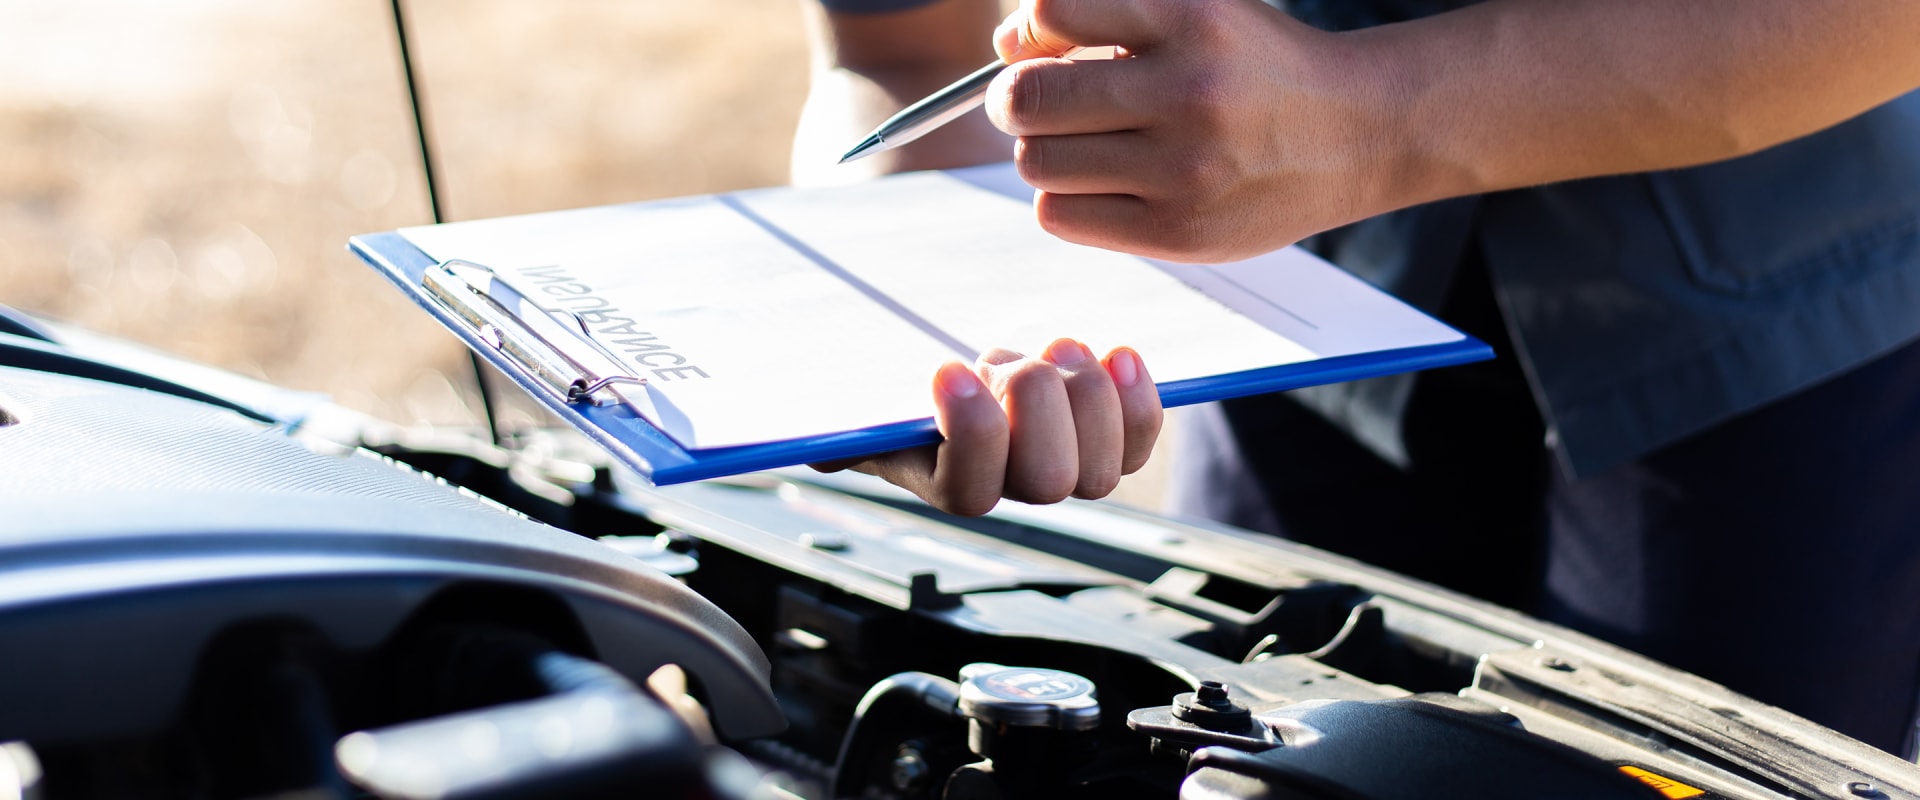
1229, 128
1224, 129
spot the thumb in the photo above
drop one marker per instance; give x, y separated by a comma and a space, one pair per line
1018, 38
1047, 28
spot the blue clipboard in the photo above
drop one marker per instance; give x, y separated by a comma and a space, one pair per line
576, 397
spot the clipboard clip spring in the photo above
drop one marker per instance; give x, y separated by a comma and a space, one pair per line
581, 391
514, 338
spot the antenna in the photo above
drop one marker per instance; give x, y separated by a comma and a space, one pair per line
433, 199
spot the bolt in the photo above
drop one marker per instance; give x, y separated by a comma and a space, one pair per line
1212, 694
1210, 706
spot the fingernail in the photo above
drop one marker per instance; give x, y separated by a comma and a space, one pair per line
1067, 352
958, 381
1125, 367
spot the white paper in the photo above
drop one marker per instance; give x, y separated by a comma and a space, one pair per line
790, 313
986, 273
741, 340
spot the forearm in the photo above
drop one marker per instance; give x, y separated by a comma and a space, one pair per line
866, 67
1514, 93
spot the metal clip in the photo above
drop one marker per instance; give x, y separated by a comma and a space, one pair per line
503, 330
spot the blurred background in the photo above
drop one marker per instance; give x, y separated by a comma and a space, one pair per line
186, 173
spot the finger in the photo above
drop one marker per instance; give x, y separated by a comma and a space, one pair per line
838, 464
1083, 164
1131, 224
970, 465
910, 469
1042, 455
1052, 96
1099, 433
1106, 221
1049, 27
995, 357
963, 473
1140, 410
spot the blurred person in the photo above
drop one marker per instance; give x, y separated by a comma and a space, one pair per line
1691, 231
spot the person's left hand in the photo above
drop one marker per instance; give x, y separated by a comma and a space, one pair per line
1036, 430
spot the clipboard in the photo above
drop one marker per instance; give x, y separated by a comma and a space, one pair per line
556, 361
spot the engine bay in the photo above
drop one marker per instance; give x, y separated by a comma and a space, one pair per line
236, 591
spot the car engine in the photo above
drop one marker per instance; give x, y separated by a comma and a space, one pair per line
214, 588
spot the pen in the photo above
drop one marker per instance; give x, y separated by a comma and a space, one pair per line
931, 112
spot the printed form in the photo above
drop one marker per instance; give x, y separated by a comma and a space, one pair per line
777, 314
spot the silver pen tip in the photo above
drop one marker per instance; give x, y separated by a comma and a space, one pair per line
869, 146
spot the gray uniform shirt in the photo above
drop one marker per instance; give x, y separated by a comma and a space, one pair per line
1648, 307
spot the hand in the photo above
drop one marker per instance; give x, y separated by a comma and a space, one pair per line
1228, 128
1035, 430
1224, 129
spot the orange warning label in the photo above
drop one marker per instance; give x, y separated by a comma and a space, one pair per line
1673, 789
